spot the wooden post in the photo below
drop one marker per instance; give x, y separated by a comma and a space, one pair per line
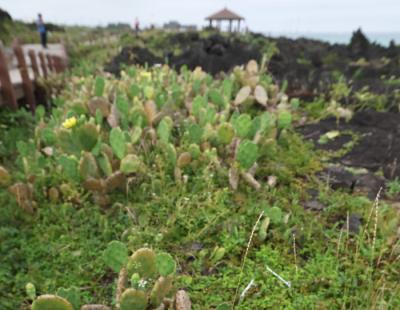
43, 64
26, 81
57, 64
6, 85
34, 64
50, 63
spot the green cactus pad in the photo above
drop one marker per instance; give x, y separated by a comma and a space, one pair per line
87, 136
51, 302
160, 290
195, 133
99, 86
226, 132
136, 134
216, 98
131, 164
88, 166
165, 264
72, 295
247, 154
194, 150
133, 299
117, 142
122, 105
105, 164
115, 255
164, 129
143, 262
242, 125
284, 120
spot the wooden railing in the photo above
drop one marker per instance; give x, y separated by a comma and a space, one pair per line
19, 80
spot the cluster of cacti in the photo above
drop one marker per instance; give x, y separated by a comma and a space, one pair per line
110, 131
145, 282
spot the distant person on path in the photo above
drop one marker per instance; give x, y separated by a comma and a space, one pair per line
42, 30
137, 27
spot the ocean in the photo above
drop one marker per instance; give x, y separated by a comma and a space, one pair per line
382, 38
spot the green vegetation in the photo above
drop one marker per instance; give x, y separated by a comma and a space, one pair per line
130, 188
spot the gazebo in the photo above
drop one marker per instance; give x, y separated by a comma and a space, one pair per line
225, 15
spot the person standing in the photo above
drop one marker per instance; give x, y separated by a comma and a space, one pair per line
42, 30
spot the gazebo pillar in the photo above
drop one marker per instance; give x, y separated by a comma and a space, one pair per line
238, 25
211, 23
230, 25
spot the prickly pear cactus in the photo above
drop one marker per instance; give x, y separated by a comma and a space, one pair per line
242, 125
284, 119
88, 166
243, 95
51, 302
87, 136
226, 133
133, 299
99, 104
143, 262
131, 164
164, 129
117, 142
165, 264
195, 151
99, 86
5, 177
184, 159
160, 290
115, 255
247, 154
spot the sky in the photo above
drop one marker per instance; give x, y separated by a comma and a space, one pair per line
268, 16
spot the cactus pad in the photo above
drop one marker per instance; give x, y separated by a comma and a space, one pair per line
88, 166
87, 136
51, 302
131, 164
143, 262
225, 133
5, 176
133, 299
160, 290
165, 264
247, 154
117, 142
115, 255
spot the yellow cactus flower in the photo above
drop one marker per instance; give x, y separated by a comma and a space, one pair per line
69, 122
145, 75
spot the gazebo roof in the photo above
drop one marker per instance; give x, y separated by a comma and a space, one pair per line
225, 14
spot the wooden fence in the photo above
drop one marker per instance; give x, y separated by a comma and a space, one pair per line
21, 68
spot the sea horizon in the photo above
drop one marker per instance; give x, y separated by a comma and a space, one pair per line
382, 38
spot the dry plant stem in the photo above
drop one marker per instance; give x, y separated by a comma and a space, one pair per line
374, 206
122, 280
295, 252
245, 257
339, 242
250, 180
376, 220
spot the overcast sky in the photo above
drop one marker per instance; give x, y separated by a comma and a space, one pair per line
261, 15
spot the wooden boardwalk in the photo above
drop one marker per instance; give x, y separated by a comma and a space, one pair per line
22, 65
